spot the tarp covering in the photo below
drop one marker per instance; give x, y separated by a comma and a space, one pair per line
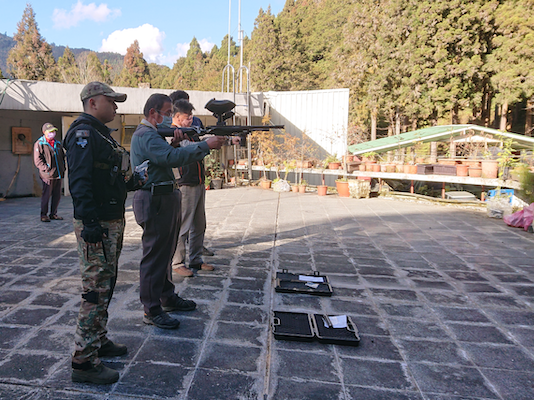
437, 134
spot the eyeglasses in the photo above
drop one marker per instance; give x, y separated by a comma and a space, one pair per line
167, 114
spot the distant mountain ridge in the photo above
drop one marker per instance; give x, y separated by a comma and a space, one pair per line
7, 42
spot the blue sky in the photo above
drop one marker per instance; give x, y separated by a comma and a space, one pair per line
164, 29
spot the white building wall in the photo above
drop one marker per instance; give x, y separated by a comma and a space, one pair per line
64, 97
323, 115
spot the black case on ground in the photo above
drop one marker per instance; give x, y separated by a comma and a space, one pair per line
348, 336
293, 326
287, 282
307, 327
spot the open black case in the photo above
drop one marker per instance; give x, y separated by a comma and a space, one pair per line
317, 284
307, 327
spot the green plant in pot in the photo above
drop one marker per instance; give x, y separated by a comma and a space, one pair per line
526, 180
331, 162
370, 156
506, 159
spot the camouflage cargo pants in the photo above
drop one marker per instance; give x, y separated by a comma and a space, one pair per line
98, 266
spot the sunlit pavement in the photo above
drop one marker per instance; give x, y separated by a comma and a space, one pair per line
442, 298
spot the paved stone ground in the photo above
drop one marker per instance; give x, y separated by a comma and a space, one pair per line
442, 298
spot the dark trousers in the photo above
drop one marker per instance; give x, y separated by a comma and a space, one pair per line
50, 190
159, 216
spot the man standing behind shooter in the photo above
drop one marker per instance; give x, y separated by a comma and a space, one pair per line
97, 182
183, 95
157, 209
191, 183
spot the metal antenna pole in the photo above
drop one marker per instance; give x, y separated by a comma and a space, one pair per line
241, 40
229, 25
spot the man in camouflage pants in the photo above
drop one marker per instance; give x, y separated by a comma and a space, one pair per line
98, 182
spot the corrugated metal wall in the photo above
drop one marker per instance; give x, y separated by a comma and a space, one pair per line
323, 115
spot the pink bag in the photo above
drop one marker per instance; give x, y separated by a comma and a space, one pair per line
521, 219
515, 219
528, 216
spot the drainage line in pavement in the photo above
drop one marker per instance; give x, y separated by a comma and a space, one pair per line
267, 378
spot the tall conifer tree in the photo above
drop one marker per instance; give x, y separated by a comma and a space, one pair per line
68, 67
135, 69
31, 58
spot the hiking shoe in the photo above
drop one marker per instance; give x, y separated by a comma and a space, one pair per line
100, 374
163, 321
207, 252
179, 304
56, 217
183, 271
111, 349
203, 267
44, 218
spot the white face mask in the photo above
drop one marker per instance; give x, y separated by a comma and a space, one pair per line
50, 135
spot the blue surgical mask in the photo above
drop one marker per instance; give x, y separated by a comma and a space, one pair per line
166, 123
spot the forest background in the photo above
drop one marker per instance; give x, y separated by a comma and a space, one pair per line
408, 63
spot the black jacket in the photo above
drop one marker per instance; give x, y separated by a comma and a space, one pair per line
97, 192
192, 174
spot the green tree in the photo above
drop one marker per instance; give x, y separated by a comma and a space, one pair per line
68, 67
511, 62
90, 68
158, 75
263, 52
107, 72
193, 67
292, 66
31, 58
369, 62
135, 69
215, 62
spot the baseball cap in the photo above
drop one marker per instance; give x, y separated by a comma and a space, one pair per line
96, 88
48, 127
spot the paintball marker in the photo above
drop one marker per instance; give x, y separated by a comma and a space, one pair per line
222, 110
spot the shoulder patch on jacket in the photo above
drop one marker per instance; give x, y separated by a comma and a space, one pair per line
82, 133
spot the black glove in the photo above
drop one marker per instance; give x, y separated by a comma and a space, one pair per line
92, 232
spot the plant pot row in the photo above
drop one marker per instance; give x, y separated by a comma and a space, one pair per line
486, 168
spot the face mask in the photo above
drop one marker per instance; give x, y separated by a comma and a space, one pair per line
50, 135
166, 123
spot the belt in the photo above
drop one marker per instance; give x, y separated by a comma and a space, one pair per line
160, 188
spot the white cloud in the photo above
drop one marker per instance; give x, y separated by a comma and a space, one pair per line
183, 48
149, 37
64, 19
205, 45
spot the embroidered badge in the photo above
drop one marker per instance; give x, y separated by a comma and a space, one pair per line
82, 134
82, 142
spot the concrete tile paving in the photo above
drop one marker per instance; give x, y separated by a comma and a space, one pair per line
442, 298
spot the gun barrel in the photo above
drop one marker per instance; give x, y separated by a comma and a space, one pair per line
218, 130
169, 132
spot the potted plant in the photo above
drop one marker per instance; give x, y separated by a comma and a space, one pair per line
526, 179
207, 182
302, 186
342, 186
490, 167
214, 170
265, 183
332, 162
370, 158
506, 160
322, 188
